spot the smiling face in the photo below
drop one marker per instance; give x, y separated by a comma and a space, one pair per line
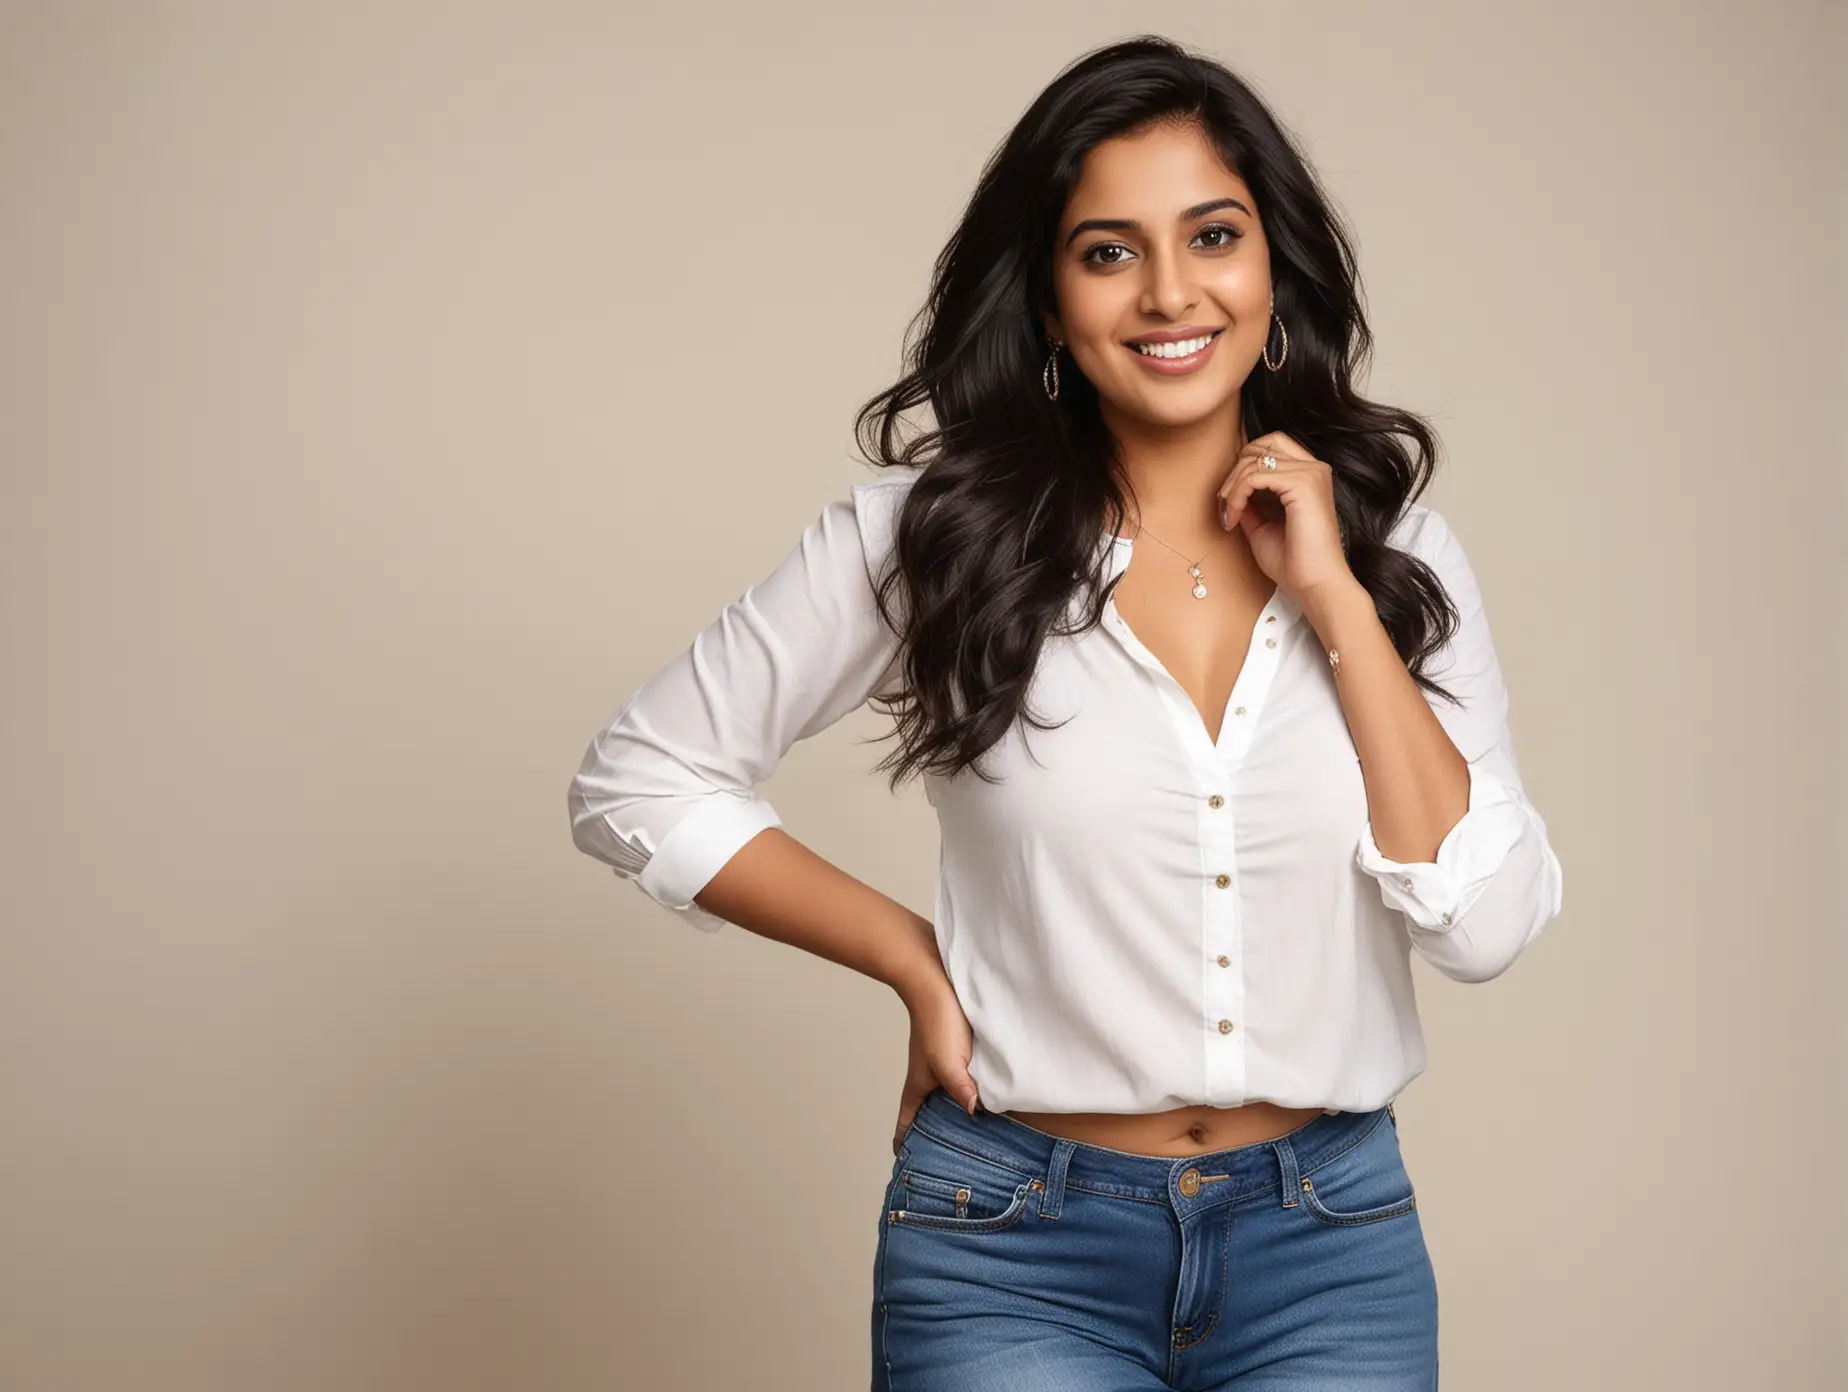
1161, 242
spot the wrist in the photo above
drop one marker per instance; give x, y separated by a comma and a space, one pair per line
1336, 603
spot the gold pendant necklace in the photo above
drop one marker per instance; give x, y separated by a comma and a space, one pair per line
1193, 566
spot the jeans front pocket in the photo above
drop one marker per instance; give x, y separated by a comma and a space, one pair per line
943, 1187
1366, 1183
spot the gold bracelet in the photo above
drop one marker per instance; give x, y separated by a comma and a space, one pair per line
1334, 661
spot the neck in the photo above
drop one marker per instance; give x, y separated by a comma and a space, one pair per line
1172, 474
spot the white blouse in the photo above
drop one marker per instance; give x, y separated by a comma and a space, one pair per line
1135, 917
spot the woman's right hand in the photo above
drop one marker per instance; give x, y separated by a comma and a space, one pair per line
941, 1043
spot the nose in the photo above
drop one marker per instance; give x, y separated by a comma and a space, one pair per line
1168, 290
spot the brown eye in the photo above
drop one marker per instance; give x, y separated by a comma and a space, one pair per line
1227, 232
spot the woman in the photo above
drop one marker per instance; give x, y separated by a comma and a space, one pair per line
1215, 731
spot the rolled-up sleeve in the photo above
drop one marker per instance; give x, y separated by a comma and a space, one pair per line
666, 794
1495, 882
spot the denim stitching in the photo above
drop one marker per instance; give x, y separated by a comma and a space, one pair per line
885, 1317
999, 1222
1225, 1271
973, 1153
975, 1149
1110, 1191
1114, 1191
927, 1182
1358, 1140
1397, 1209
938, 1187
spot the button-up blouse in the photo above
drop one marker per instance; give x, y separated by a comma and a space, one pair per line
1134, 916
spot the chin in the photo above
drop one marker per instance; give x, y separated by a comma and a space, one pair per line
1178, 408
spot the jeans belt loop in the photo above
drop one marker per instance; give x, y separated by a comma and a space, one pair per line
1054, 1197
1286, 1163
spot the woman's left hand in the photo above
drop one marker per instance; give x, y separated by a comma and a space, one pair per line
1301, 550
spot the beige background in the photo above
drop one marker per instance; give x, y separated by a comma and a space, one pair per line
389, 389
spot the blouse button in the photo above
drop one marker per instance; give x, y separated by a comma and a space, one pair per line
1223, 960
1215, 801
1406, 881
1270, 618
1446, 918
1239, 710
1225, 1027
1222, 880
1270, 642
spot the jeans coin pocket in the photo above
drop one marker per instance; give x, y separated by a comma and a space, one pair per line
1366, 1183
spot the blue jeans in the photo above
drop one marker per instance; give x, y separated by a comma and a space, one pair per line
1012, 1260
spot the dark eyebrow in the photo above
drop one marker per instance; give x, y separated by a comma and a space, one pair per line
1131, 225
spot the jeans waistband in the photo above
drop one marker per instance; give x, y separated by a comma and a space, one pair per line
1186, 1181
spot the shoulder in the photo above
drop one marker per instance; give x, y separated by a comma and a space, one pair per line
1424, 532
1421, 530
886, 492
876, 504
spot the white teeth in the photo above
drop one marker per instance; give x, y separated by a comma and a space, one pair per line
1173, 350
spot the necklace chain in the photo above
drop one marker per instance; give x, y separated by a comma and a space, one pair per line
1193, 566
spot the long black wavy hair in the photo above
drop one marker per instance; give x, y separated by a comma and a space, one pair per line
1001, 526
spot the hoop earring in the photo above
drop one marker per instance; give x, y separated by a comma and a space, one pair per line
1049, 375
1273, 366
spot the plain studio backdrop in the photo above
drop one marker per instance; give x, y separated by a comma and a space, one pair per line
390, 388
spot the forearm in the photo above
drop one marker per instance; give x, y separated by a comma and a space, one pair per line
1417, 783
778, 888
1451, 840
